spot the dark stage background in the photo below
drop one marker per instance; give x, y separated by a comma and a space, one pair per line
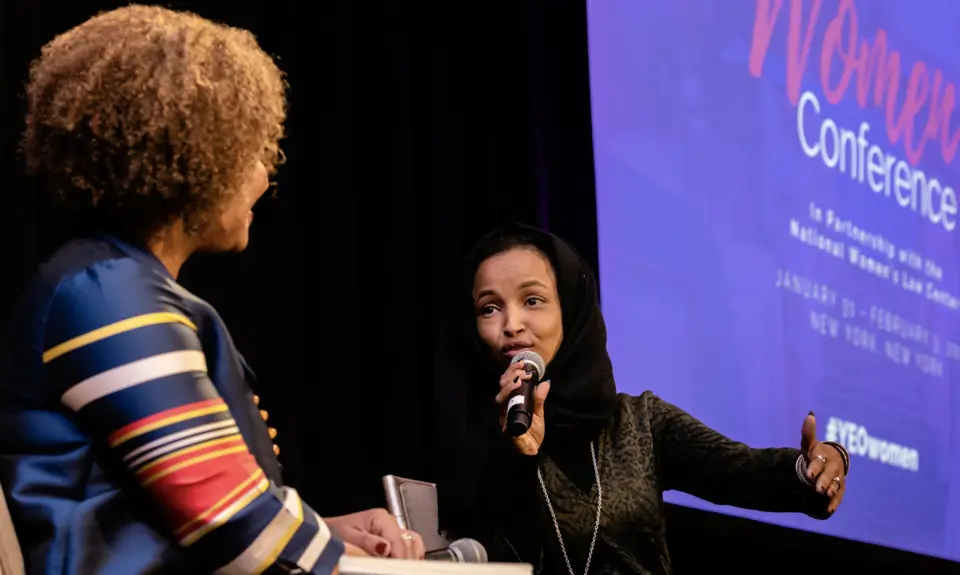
414, 127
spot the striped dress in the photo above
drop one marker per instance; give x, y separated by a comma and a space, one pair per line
129, 438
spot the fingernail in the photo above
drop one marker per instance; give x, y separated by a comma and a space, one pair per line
382, 549
811, 413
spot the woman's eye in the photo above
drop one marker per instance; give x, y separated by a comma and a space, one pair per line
487, 310
533, 301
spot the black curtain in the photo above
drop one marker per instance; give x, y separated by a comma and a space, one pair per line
410, 139
414, 127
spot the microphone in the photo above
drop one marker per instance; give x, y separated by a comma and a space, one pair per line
460, 551
520, 404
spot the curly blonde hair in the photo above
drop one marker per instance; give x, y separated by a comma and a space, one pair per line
143, 115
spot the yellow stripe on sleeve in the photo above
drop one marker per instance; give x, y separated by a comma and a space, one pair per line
114, 329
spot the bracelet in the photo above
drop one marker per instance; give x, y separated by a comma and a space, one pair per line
801, 468
844, 455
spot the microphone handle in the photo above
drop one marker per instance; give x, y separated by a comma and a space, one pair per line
520, 408
442, 555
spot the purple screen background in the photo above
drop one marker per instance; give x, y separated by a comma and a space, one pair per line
718, 305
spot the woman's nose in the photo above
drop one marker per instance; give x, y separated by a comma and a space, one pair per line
513, 324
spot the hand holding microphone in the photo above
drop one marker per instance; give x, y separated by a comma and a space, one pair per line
376, 533
521, 400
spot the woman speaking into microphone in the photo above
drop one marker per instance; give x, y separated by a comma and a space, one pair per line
581, 490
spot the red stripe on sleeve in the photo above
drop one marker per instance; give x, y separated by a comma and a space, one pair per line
190, 491
167, 417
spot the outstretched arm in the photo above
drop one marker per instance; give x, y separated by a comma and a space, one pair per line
127, 360
700, 461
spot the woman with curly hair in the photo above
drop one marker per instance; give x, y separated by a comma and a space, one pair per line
130, 441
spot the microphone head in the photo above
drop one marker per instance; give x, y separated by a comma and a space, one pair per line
469, 551
531, 358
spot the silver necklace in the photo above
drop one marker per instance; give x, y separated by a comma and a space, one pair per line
596, 525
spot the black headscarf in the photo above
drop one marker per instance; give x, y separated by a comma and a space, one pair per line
473, 457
